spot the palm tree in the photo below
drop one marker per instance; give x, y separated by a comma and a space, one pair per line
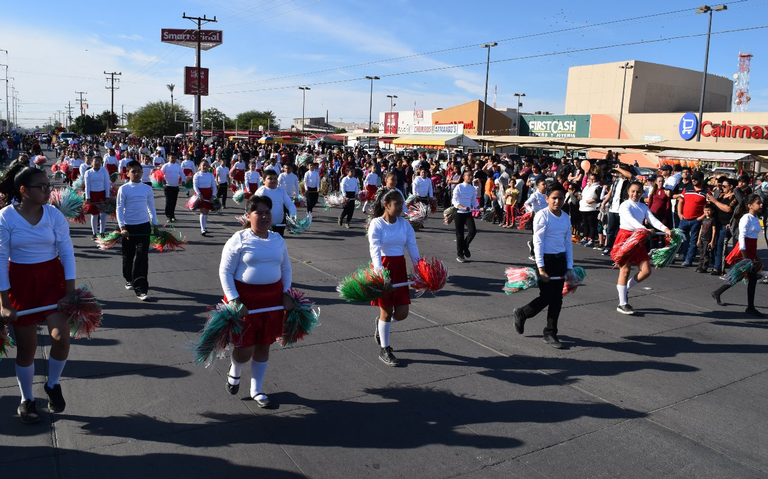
171, 87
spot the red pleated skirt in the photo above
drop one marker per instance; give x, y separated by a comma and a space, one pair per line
35, 285
735, 255
111, 168
398, 274
638, 255
206, 198
239, 176
260, 328
123, 174
188, 172
96, 197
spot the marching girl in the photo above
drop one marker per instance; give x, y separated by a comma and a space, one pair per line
464, 200
371, 185
554, 257
311, 184
251, 178
279, 199
188, 166
203, 183
422, 185
349, 188
632, 213
85, 166
37, 268
110, 162
74, 166
390, 183
749, 231
389, 234
238, 169
122, 166
255, 272
97, 186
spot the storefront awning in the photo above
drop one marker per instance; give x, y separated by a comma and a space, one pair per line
705, 155
756, 148
437, 140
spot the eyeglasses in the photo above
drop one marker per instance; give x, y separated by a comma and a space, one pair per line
45, 188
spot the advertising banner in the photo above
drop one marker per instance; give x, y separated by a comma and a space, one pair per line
390, 123
191, 81
188, 37
555, 126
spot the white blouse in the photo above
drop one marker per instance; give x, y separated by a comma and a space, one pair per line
633, 213
465, 195
422, 187
749, 227
312, 179
251, 178
135, 204
552, 235
23, 243
202, 180
391, 239
96, 181
253, 260
349, 185
279, 199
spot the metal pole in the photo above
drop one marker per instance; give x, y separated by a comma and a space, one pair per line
7, 107
625, 67
485, 97
704, 79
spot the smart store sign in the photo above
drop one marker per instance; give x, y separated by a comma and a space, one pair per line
723, 129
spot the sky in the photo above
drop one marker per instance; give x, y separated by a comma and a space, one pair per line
427, 52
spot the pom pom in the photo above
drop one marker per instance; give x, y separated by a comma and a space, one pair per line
158, 179
69, 202
417, 215
298, 227
334, 200
429, 275
109, 240
239, 196
224, 323
449, 214
365, 195
575, 280
301, 321
40, 160
215, 204
113, 191
300, 202
167, 240
520, 279
193, 203
324, 187
243, 220
84, 313
487, 215
432, 205
663, 257
6, 341
187, 183
78, 184
55, 168
114, 176
302, 188
739, 272
524, 221
637, 240
233, 187
108, 206
365, 285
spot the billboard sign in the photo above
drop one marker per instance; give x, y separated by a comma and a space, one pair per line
555, 126
191, 81
390, 122
188, 37
688, 126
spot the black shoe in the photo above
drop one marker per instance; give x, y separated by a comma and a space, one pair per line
232, 388
376, 335
28, 412
261, 400
387, 357
551, 339
625, 309
716, 272
340, 221
56, 402
467, 254
460, 259
93, 237
716, 297
754, 312
519, 320
204, 233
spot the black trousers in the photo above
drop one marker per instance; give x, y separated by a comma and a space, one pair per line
751, 286
550, 293
462, 242
613, 229
590, 223
135, 257
349, 208
171, 197
221, 192
312, 197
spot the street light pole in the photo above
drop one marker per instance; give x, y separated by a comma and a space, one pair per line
391, 102
626, 66
303, 105
487, 70
706, 9
519, 105
370, 107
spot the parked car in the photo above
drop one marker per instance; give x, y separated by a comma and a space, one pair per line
67, 136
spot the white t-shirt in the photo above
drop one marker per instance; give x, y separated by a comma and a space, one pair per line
253, 260
391, 239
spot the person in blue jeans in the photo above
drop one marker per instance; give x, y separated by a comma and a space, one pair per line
690, 207
725, 203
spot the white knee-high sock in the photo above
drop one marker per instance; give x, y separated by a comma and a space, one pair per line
95, 223
102, 222
25, 376
622, 294
55, 368
258, 371
234, 371
632, 282
203, 222
384, 333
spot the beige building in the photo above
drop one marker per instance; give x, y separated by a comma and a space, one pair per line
650, 88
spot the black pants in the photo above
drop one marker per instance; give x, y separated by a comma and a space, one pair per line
590, 223
279, 229
312, 197
751, 285
221, 193
550, 293
135, 257
349, 208
171, 196
705, 255
613, 229
462, 242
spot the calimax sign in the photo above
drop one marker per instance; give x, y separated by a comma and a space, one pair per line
726, 129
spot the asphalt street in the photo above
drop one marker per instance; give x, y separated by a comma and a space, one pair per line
678, 390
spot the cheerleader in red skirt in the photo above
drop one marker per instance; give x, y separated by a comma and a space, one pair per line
203, 183
389, 234
111, 162
97, 186
238, 169
255, 272
37, 268
746, 248
632, 213
252, 179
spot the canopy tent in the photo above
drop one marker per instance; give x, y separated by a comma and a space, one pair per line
453, 141
330, 141
754, 148
708, 160
266, 140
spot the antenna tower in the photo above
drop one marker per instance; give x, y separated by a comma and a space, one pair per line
741, 96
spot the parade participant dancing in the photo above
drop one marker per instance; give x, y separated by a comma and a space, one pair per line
749, 232
389, 234
371, 186
252, 178
173, 179
535, 203
422, 186
238, 169
97, 186
222, 183
203, 183
255, 272
632, 213
37, 268
554, 258
279, 199
288, 181
464, 200
137, 219
110, 162
311, 184
349, 188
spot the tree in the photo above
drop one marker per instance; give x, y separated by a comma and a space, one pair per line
87, 125
260, 118
104, 117
157, 118
215, 117
337, 131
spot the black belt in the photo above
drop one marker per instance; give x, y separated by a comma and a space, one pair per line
311, 189
556, 255
350, 194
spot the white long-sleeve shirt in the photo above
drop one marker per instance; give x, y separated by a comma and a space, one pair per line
391, 239
633, 213
135, 204
465, 195
84, 167
422, 187
372, 179
290, 183
188, 165
123, 163
312, 179
536, 202
23, 243
749, 227
253, 260
222, 175
279, 199
203, 180
552, 235
110, 160
96, 181
172, 173
252, 178
349, 185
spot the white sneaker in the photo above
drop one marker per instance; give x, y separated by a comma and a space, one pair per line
128, 285
143, 297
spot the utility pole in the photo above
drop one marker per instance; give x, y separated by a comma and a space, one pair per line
198, 98
7, 107
69, 114
112, 87
81, 101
